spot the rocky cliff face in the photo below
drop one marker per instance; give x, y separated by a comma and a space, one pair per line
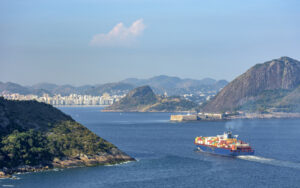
143, 95
135, 100
282, 73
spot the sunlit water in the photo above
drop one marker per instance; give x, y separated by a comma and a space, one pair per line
166, 157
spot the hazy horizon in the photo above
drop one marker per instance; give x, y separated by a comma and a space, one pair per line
102, 83
94, 42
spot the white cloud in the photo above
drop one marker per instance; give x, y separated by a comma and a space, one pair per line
120, 35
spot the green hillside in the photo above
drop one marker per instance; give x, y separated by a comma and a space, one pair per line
34, 133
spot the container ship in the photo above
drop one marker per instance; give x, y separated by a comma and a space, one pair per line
225, 144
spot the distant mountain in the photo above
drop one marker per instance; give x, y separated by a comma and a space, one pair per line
10, 87
58, 89
99, 89
164, 81
143, 99
177, 86
160, 85
266, 86
45, 86
36, 136
117, 88
14, 88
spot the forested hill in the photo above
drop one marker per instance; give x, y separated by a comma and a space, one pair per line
34, 133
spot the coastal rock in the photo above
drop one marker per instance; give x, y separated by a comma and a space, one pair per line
4, 175
92, 161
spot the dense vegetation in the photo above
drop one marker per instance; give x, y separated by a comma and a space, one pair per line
34, 133
24, 148
70, 139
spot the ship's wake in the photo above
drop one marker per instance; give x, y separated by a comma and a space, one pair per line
270, 161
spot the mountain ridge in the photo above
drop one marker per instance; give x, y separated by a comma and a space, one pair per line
278, 74
175, 85
160, 85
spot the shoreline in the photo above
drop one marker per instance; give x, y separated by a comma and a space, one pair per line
124, 111
274, 115
80, 105
247, 116
71, 162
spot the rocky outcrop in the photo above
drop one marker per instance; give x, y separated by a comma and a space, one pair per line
115, 157
92, 160
135, 100
282, 73
4, 174
143, 99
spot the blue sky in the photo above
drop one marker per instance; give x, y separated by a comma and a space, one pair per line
92, 41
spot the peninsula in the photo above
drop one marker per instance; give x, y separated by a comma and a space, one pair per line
36, 136
143, 99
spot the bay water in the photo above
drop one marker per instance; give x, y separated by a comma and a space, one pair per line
166, 155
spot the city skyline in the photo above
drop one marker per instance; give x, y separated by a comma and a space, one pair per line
96, 42
72, 99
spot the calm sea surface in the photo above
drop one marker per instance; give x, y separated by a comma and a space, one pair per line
166, 157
